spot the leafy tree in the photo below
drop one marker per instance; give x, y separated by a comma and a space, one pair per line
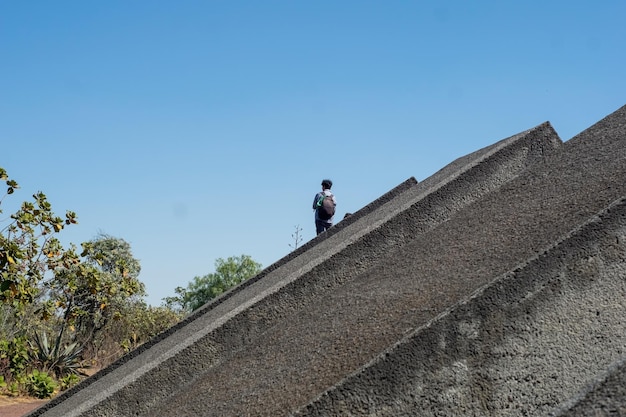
228, 273
29, 248
94, 293
84, 300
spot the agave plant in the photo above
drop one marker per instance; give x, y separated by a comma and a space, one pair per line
60, 361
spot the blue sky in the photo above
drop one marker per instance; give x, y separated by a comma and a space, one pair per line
198, 130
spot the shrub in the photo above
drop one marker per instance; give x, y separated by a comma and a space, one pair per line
13, 358
14, 388
40, 384
68, 381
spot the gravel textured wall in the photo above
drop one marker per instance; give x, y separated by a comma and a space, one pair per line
532, 337
346, 324
521, 345
605, 396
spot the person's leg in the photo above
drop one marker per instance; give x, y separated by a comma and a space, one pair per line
321, 226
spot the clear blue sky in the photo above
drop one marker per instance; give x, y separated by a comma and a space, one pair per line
198, 130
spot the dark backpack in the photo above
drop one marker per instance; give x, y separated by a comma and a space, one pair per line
325, 207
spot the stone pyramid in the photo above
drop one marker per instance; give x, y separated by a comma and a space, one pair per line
495, 287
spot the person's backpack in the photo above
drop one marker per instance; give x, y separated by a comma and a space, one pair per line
325, 207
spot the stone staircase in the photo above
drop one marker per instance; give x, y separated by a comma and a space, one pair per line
495, 287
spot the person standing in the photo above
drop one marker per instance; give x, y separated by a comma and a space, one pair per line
324, 205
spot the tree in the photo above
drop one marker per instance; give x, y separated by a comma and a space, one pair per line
200, 290
31, 257
29, 248
96, 292
82, 300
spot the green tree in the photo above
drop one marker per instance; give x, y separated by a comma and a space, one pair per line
84, 300
31, 259
200, 290
29, 250
108, 283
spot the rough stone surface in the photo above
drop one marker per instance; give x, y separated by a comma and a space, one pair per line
605, 396
494, 287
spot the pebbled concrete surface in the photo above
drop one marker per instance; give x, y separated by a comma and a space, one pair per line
439, 298
604, 396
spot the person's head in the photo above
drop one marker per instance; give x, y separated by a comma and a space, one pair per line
327, 184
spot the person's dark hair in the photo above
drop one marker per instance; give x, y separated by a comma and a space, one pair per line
327, 183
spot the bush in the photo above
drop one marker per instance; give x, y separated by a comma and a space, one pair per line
13, 358
40, 384
68, 381
14, 389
